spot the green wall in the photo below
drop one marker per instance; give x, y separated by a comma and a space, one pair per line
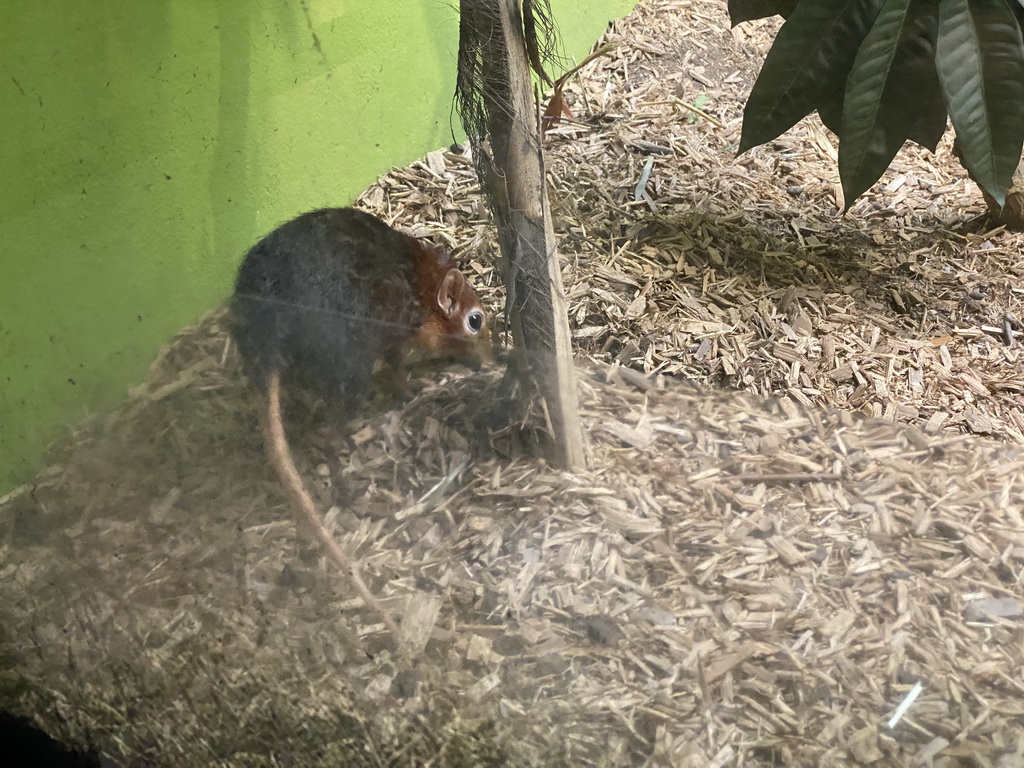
145, 145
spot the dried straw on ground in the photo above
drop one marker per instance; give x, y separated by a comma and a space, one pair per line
736, 581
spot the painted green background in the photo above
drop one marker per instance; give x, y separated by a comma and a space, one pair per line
145, 145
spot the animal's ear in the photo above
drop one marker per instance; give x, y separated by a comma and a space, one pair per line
448, 294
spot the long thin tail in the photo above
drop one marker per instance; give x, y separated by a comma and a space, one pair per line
302, 502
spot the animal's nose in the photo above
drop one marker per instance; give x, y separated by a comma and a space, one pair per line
484, 352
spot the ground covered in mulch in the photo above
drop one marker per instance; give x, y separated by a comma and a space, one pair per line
800, 540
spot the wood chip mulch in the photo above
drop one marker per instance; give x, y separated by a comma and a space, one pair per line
800, 540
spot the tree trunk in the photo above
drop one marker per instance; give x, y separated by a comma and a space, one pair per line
515, 184
1012, 212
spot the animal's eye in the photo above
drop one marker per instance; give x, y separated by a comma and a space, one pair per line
475, 321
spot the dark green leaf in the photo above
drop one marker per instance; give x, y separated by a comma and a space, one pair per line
915, 81
866, 147
918, 81
746, 10
980, 60
810, 58
830, 110
885, 101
